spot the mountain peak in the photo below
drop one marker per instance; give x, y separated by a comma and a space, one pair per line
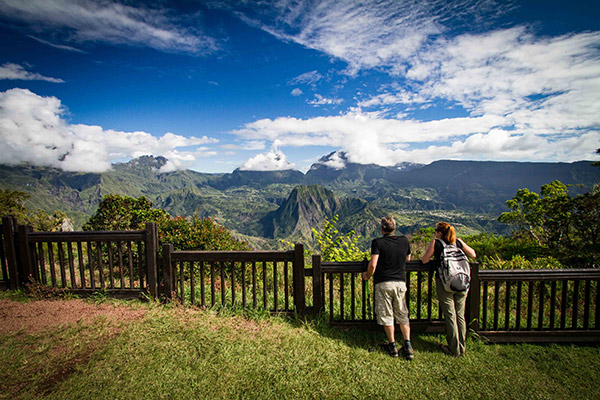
148, 161
336, 160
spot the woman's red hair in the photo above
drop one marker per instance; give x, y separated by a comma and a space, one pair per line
447, 231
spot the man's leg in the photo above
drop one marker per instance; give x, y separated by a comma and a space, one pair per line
405, 329
389, 332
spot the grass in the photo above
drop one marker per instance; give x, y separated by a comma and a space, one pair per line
177, 353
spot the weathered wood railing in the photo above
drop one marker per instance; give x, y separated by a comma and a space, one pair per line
119, 263
271, 280
503, 306
539, 305
8, 257
339, 289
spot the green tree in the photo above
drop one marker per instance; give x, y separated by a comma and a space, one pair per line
420, 240
563, 227
335, 246
12, 204
119, 213
195, 233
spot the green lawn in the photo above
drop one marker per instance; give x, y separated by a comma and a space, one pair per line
174, 353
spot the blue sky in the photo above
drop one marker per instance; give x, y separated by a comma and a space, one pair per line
266, 85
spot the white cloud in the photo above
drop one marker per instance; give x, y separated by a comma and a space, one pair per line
322, 101
17, 72
273, 160
33, 130
108, 21
369, 138
307, 78
296, 92
367, 34
524, 97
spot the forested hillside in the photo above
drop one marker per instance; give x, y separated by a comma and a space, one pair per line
287, 204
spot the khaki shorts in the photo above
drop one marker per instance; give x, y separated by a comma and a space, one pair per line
390, 303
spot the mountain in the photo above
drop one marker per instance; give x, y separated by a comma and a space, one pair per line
307, 207
287, 204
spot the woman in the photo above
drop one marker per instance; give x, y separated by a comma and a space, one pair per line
451, 303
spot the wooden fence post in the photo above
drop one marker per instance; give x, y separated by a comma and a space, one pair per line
167, 268
299, 297
10, 251
25, 256
151, 250
317, 284
474, 298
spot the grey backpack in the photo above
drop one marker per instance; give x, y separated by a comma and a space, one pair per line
454, 270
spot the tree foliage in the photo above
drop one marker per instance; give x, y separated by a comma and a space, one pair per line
562, 226
193, 233
121, 213
335, 246
12, 203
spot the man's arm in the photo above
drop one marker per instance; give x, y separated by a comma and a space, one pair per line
371, 268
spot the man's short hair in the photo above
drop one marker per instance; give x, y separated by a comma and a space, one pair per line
388, 224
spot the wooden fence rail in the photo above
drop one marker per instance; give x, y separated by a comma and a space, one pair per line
503, 306
540, 305
339, 289
9, 277
120, 263
272, 280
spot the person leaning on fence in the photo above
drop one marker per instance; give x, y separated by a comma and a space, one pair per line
389, 255
452, 303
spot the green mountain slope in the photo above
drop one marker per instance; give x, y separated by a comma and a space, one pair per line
287, 204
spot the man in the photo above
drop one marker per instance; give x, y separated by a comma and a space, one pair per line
389, 255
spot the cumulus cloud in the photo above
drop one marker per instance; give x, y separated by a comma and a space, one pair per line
296, 92
33, 130
108, 21
18, 72
523, 96
273, 160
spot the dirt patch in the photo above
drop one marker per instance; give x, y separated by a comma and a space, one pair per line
37, 316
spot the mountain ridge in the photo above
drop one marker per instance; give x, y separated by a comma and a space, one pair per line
282, 204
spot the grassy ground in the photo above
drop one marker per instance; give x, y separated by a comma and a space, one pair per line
176, 353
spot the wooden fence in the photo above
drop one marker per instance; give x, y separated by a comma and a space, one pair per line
271, 280
538, 305
503, 306
121, 264
8, 256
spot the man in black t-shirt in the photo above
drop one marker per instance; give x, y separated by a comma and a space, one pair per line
389, 255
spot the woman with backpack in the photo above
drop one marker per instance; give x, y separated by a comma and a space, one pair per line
452, 287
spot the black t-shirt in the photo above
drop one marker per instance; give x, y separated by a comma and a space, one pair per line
392, 252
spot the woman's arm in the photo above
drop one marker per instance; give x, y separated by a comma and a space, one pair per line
429, 252
468, 249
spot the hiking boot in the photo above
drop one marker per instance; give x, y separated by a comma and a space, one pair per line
390, 348
407, 351
446, 350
